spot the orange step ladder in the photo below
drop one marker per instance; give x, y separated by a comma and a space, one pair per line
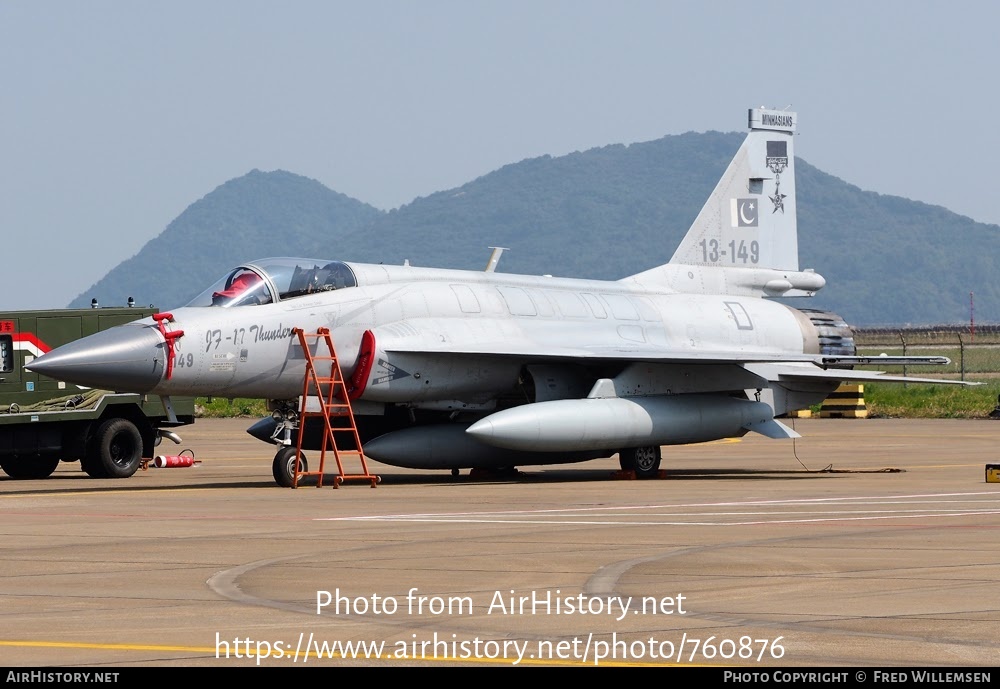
334, 401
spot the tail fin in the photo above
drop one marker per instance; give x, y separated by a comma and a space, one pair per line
745, 241
749, 220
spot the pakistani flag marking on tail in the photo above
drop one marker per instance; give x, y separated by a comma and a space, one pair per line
743, 212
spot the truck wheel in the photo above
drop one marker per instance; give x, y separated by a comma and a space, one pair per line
116, 451
92, 466
283, 467
29, 467
644, 461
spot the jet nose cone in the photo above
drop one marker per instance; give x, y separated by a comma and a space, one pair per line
126, 358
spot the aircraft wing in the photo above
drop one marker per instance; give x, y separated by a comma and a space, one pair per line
500, 338
552, 341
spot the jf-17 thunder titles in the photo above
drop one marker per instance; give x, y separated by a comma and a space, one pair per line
454, 369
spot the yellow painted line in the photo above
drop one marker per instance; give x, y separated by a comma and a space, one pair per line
212, 651
943, 466
105, 647
720, 441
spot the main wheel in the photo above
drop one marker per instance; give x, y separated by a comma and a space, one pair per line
29, 467
644, 461
115, 451
283, 467
92, 466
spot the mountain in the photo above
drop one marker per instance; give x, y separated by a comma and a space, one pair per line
603, 213
255, 216
892, 261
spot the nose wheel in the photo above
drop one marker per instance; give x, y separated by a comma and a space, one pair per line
283, 467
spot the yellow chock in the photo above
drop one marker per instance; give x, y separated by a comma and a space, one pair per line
846, 402
993, 473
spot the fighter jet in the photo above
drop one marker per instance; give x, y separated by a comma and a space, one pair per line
453, 369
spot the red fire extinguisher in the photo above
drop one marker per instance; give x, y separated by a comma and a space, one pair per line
184, 459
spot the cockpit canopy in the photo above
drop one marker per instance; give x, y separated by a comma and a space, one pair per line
276, 279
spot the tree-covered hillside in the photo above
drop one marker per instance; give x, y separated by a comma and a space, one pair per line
890, 260
255, 216
603, 213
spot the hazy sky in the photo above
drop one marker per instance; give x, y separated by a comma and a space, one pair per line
118, 115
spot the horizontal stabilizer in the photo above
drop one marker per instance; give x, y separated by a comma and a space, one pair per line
884, 360
791, 372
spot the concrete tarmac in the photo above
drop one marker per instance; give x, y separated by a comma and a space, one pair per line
864, 543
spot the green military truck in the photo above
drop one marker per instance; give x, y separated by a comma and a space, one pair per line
45, 421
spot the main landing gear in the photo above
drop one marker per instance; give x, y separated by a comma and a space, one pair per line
644, 461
